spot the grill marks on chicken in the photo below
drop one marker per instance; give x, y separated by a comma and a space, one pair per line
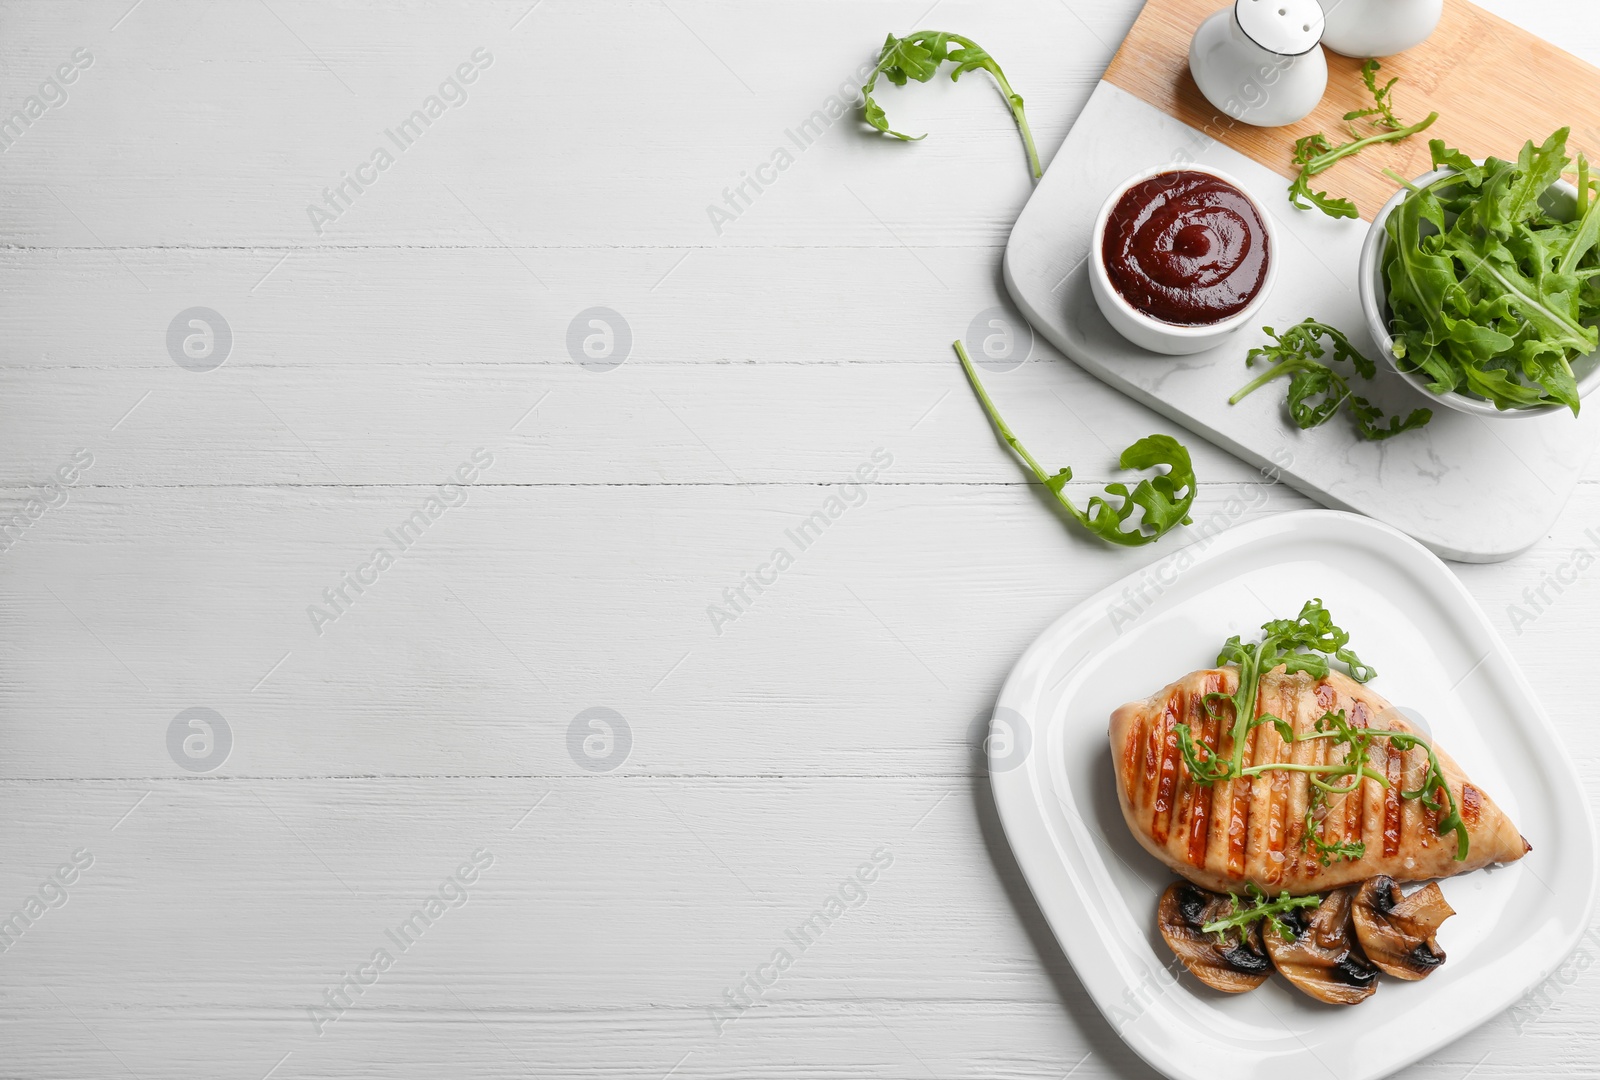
1180, 806
1254, 828
1165, 749
1199, 802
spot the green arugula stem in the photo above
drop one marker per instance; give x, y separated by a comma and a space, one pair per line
1432, 185
1320, 770
1014, 100
1326, 160
994, 417
1285, 367
1244, 705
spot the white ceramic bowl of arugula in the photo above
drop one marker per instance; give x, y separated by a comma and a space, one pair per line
1560, 201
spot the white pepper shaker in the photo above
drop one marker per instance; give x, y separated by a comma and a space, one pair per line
1260, 61
1363, 28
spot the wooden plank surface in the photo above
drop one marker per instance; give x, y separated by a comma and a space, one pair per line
431, 719
1494, 84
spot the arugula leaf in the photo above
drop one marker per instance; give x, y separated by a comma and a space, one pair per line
1316, 390
1257, 907
1313, 154
1446, 158
1537, 168
1488, 293
918, 56
1165, 499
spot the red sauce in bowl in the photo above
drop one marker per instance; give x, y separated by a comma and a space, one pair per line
1186, 247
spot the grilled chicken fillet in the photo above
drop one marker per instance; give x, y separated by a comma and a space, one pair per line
1253, 828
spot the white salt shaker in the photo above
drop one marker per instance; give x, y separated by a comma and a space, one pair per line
1364, 28
1260, 61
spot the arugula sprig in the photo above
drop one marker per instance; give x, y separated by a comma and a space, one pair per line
1303, 643
1314, 154
1257, 907
1164, 498
1355, 756
918, 56
1382, 99
1306, 644
1327, 852
1433, 783
1357, 741
1316, 390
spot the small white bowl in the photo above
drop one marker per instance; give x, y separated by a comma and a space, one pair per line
1560, 199
1147, 331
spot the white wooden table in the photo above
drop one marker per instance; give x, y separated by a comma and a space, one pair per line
619, 901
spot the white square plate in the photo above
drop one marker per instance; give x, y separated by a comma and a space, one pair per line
1437, 658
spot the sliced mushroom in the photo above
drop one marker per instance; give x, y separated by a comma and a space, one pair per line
1397, 932
1231, 961
1324, 959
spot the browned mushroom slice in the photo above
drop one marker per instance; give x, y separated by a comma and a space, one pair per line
1231, 961
1397, 932
1324, 958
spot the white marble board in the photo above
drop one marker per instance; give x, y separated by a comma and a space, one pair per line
1471, 489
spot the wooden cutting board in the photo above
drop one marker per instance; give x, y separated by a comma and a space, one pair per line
1471, 488
1493, 84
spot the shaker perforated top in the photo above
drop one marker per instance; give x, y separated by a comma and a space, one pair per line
1285, 27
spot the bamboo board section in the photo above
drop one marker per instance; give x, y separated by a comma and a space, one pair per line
1493, 84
